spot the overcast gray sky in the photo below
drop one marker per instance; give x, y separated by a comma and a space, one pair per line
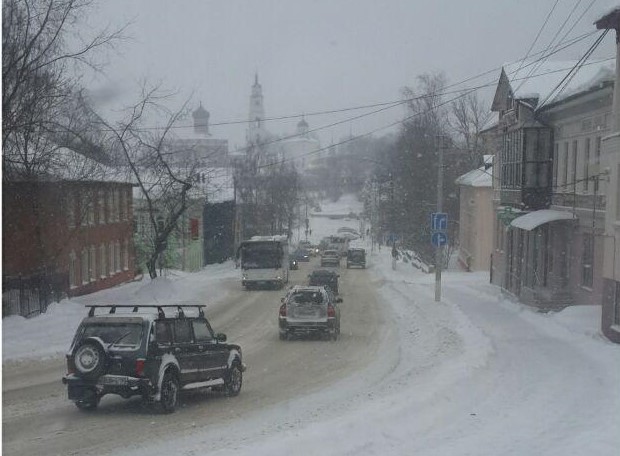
314, 55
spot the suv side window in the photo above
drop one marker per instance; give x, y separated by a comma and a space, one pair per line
202, 332
163, 332
182, 331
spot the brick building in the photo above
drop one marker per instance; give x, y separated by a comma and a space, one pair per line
78, 231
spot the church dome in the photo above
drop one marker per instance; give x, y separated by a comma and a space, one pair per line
200, 113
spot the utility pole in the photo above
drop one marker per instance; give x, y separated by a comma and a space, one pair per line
441, 144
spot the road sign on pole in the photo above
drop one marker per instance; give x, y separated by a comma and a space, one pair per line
439, 239
439, 221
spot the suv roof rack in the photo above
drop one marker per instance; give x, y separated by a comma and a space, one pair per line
159, 307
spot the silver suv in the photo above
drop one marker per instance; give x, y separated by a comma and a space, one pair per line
309, 310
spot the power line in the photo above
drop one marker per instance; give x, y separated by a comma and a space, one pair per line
580, 63
387, 104
535, 68
537, 36
462, 94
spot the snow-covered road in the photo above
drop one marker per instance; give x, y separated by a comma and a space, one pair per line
475, 374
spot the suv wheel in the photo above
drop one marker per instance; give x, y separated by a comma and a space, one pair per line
90, 359
283, 335
233, 380
169, 392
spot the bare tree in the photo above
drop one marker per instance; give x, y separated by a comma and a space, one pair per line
41, 51
469, 115
165, 189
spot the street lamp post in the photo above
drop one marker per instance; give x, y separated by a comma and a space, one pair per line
439, 250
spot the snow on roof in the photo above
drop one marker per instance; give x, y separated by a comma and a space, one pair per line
547, 75
216, 188
480, 177
534, 219
66, 164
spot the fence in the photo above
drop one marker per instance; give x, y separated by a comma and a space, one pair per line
30, 296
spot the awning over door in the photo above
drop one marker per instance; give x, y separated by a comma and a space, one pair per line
535, 219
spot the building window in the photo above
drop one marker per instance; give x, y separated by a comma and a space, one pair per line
117, 210
85, 266
511, 160
587, 257
565, 168
586, 165
70, 202
121, 205
128, 195
110, 208
574, 166
555, 164
125, 255
73, 272
87, 209
103, 262
616, 321
597, 162
111, 259
117, 256
618, 196
101, 206
92, 263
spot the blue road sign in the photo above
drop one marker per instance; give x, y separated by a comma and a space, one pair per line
392, 237
438, 238
439, 221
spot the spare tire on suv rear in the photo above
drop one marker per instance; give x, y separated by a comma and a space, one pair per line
90, 359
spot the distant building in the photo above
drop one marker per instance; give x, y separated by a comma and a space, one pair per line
476, 217
302, 149
192, 144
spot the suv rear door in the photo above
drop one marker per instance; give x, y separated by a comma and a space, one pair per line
186, 351
213, 354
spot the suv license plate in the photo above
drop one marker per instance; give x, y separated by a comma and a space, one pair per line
110, 380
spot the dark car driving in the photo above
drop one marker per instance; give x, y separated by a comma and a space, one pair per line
356, 257
324, 277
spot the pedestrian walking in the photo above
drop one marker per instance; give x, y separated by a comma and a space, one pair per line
394, 256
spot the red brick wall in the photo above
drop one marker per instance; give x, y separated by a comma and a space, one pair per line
25, 203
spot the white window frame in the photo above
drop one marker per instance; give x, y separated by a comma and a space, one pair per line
92, 264
103, 262
111, 259
126, 255
84, 266
117, 256
72, 270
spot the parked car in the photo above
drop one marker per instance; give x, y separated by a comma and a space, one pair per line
330, 258
356, 257
153, 355
293, 264
324, 277
309, 310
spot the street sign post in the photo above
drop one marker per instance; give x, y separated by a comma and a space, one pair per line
439, 239
439, 221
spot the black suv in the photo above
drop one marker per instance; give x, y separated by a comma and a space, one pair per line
153, 355
356, 257
324, 277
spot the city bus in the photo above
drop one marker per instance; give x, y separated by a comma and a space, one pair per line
264, 261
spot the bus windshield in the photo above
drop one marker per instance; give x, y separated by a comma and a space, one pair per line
261, 258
